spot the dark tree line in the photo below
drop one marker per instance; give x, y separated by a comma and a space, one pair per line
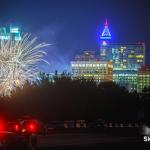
144, 99
65, 99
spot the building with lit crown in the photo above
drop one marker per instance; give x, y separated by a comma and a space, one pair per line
123, 55
105, 48
117, 62
126, 59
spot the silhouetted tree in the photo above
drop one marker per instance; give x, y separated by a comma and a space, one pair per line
63, 98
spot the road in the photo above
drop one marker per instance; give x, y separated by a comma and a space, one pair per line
85, 141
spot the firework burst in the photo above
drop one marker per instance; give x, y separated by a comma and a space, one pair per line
18, 62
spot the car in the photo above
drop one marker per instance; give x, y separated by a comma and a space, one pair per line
13, 141
23, 126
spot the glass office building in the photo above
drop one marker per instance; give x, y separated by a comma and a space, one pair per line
11, 32
143, 78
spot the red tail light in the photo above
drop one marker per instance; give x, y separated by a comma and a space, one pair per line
2, 125
32, 127
17, 127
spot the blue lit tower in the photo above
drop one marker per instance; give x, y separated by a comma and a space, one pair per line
105, 38
106, 33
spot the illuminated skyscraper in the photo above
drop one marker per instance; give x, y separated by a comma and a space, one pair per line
128, 56
12, 32
105, 37
143, 78
127, 59
88, 66
118, 62
123, 56
98, 71
87, 56
126, 78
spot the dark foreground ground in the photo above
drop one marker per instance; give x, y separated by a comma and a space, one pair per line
91, 141
100, 147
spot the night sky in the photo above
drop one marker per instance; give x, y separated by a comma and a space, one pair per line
72, 26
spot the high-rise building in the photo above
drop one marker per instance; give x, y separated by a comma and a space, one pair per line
123, 56
128, 56
98, 71
88, 66
105, 38
126, 78
87, 56
126, 59
12, 32
143, 78
117, 62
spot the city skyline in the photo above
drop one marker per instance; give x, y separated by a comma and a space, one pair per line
74, 26
74, 74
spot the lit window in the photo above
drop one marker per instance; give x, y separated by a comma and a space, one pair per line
104, 65
14, 30
139, 60
83, 65
104, 43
